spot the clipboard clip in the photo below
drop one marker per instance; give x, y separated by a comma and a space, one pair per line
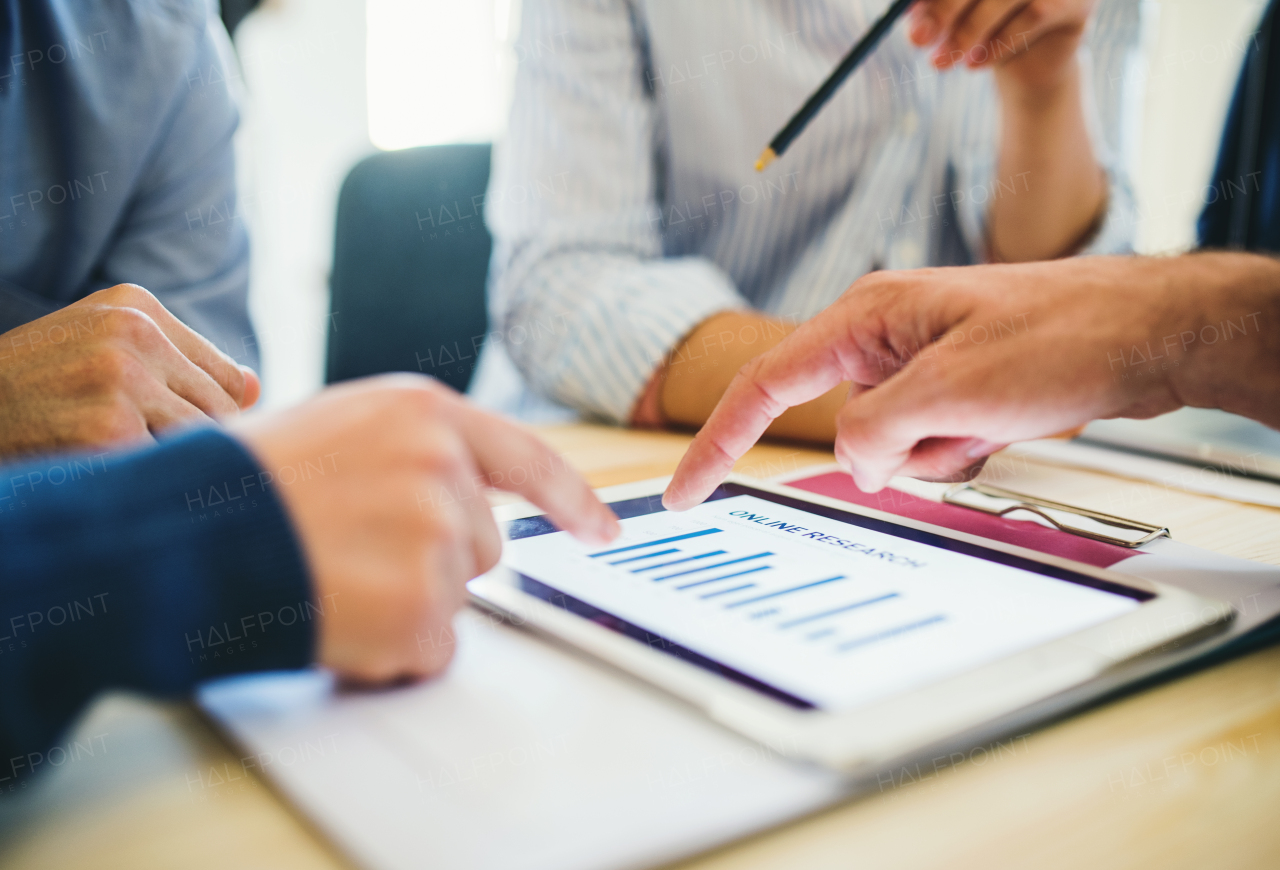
1064, 517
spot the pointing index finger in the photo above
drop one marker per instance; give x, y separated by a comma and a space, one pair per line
501, 449
806, 364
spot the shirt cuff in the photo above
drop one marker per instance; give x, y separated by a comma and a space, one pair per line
618, 337
1115, 233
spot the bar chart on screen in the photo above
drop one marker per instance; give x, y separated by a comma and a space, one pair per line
710, 564
828, 611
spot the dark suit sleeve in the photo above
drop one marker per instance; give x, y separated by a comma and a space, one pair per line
149, 570
1242, 203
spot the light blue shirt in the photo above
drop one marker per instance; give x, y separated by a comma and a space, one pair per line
116, 162
624, 204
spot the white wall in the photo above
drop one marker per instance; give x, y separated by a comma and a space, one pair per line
1193, 56
306, 124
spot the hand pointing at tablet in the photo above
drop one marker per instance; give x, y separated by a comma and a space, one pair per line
948, 365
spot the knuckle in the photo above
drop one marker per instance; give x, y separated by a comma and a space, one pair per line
1034, 15
115, 420
129, 323
441, 453
129, 296
112, 366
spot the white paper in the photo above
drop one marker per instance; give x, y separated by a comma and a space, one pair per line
1208, 480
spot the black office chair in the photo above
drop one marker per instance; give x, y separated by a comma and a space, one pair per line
410, 258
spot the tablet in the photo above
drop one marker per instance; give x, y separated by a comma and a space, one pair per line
831, 632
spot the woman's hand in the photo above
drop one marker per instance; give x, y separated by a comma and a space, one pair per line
1030, 41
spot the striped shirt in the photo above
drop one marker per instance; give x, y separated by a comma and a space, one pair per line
625, 209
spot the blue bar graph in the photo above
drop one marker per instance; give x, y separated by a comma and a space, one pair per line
784, 592
656, 543
826, 609
673, 561
893, 632
725, 577
709, 567
646, 556
833, 611
727, 591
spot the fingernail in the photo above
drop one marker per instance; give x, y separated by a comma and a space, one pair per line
923, 28
865, 483
979, 448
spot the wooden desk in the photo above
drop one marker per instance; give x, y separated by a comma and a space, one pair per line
1183, 775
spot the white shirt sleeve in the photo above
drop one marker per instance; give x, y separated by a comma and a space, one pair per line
581, 296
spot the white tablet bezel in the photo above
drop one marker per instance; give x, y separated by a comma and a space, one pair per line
867, 737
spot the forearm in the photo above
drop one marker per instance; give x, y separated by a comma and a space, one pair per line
150, 570
1228, 332
1045, 150
695, 375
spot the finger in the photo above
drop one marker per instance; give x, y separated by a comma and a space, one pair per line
879, 429
163, 409
872, 331
225, 373
117, 425
467, 517
937, 21
1018, 34
187, 380
163, 359
514, 460
803, 366
940, 16
486, 540
923, 28
454, 563
948, 460
252, 388
139, 378
971, 33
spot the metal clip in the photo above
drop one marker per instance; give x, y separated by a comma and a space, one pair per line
1078, 521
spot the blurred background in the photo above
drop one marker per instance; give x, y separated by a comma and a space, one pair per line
327, 82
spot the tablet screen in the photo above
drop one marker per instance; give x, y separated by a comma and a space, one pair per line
813, 606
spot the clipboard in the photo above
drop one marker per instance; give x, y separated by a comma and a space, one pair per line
1086, 523
1093, 538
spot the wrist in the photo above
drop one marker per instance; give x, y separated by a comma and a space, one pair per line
647, 413
1229, 329
1046, 92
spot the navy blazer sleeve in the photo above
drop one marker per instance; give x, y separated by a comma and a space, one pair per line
148, 570
1242, 204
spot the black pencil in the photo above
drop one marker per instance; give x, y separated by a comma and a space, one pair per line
811, 107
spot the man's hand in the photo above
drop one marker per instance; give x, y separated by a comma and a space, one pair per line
110, 369
691, 379
949, 365
398, 521
1032, 39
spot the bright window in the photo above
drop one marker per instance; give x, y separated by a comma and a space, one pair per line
438, 70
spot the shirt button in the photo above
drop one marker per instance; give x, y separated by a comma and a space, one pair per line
907, 253
910, 122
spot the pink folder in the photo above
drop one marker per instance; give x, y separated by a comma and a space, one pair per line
1032, 535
